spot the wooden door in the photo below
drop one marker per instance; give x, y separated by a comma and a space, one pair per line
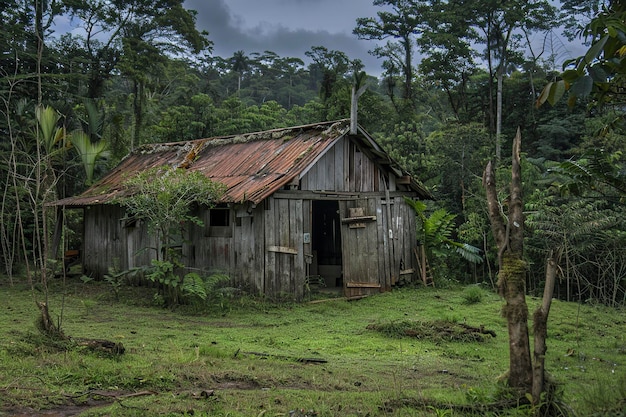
359, 237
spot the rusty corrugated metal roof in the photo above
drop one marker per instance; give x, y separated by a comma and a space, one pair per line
252, 166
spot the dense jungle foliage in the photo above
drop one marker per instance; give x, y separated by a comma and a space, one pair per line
455, 88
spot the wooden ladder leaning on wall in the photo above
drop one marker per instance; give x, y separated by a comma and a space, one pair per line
424, 268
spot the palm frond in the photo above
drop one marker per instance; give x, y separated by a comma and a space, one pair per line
469, 253
90, 153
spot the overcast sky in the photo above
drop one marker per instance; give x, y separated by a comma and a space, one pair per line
291, 27
286, 27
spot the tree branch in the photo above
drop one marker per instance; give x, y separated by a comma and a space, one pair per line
498, 227
516, 204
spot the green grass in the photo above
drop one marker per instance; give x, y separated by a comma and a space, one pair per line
249, 356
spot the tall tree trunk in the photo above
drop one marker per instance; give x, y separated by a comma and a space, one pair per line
408, 69
509, 238
500, 76
138, 113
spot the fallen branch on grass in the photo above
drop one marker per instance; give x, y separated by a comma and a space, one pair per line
117, 395
98, 345
284, 357
481, 329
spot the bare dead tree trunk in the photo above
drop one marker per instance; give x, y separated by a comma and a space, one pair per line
46, 324
509, 238
540, 328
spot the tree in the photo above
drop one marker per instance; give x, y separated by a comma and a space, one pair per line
164, 24
328, 69
449, 59
164, 198
526, 377
89, 152
594, 182
509, 239
240, 64
403, 23
498, 22
601, 72
491, 23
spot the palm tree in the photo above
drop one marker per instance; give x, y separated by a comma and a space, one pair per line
239, 64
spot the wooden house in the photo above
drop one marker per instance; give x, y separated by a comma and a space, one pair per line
301, 202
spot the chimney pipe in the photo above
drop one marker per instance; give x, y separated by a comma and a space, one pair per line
354, 107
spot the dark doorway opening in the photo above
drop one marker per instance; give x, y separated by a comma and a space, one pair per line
326, 242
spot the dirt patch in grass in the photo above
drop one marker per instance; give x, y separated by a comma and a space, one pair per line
62, 411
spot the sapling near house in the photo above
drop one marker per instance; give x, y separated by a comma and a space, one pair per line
164, 198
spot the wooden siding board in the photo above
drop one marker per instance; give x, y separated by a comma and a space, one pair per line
328, 168
296, 227
259, 272
358, 166
240, 271
410, 239
383, 244
247, 255
339, 183
284, 260
351, 167
307, 225
270, 257
400, 227
329, 173
372, 240
345, 247
393, 220
230, 241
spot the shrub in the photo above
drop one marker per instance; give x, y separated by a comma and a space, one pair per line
472, 295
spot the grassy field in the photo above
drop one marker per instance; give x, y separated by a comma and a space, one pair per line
404, 353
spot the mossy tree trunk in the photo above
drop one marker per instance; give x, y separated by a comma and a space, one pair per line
509, 237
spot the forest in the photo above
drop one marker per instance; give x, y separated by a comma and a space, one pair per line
139, 71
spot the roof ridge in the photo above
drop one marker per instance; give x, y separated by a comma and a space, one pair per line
272, 134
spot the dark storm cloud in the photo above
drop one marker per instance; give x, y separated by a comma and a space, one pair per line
286, 27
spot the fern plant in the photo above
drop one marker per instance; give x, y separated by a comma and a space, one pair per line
437, 232
193, 286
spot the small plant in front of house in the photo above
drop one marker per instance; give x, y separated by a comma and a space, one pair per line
472, 295
209, 290
476, 396
162, 272
439, 412
115, 279
193, 286
88, 304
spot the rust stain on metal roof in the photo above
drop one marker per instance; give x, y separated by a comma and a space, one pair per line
252, 166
